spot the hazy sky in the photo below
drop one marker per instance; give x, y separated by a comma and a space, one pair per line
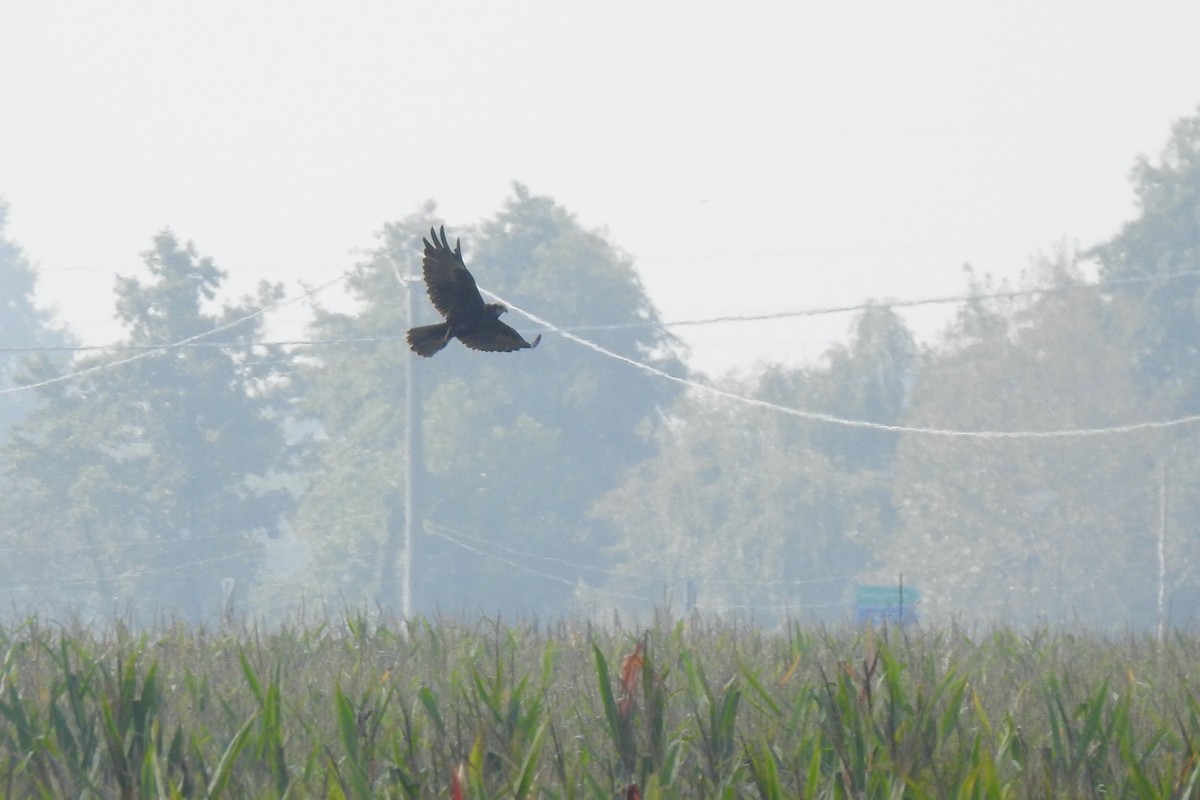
774, 157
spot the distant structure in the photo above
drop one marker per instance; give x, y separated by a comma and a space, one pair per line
881, 605
228, 586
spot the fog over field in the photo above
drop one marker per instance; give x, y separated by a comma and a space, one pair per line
832, 301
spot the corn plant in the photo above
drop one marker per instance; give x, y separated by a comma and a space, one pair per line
363, 707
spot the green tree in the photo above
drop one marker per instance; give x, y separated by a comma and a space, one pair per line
1152, 267
870, 379
513, 448
1019, 530
23, 326
143, 482
749, 509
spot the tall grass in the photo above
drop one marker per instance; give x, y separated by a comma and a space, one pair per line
355, 709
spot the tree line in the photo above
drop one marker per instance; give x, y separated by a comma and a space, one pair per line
225, 472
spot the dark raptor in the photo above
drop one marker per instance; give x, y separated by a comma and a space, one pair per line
456, 297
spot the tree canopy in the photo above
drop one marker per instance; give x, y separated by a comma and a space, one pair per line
1026, 529
747, 510
563, 478
23, 326
142, 483
1153, 267
508, 450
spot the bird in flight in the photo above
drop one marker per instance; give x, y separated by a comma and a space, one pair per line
454, 294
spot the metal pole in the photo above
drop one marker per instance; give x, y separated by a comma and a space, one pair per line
409, 434
1161, 629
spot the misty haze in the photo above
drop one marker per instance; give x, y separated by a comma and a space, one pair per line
1031, 463
839, 437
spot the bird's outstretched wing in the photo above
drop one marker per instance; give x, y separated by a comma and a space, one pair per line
450, 285
496, 337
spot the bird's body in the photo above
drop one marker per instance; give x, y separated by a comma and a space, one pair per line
456, 297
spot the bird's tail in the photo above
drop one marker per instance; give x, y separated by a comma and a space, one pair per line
428, 339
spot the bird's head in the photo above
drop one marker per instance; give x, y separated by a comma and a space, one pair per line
496, 309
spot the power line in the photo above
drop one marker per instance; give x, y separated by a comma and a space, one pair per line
130, 573
891, 304
531, 571
181, 343
444, 533
687, 322
816, 416
200, 345
110, 544
525, 554
812, 416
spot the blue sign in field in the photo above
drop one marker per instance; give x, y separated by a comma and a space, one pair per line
881, 604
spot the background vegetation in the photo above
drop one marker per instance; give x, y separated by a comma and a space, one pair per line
196, 468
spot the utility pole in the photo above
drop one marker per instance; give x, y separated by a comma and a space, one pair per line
410, 436
1161, 628
396, 556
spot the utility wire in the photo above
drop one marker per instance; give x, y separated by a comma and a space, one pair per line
890, 304
680, 323
444, 533
88, 348
815, 416
181, 343
525, 554
536, 573
130, 573
110, 544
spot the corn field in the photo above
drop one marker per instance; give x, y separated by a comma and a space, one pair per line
356, 708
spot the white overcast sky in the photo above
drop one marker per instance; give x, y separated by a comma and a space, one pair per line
752, 157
